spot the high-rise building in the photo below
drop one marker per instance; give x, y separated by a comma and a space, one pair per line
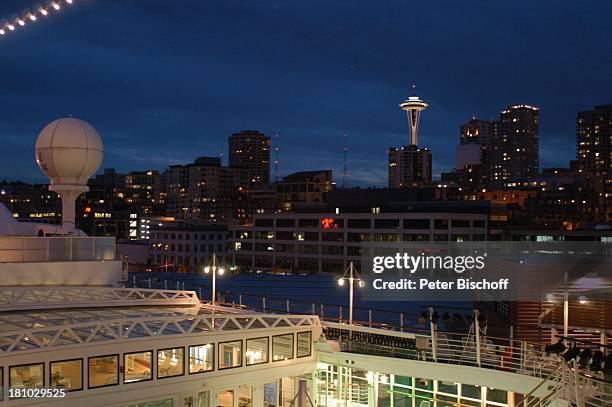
593, 141
250, 149
471, 171
594, 156
410, 166
475, 136
205, 190
514, 146
304, 188
477, 131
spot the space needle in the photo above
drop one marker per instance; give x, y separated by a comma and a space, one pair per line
413, 107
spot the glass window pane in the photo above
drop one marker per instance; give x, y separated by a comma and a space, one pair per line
67, 374
446, 401
384, 395
204, 399
257, 351
468, 390
401, 399
304, 341
137, 366
497, 396
245, 396
426, 384
405, 381
170, 362
26, 376
103, 371
282, 347
469, 402
447, 387
225, 398
230, 354
201, 358
271, 394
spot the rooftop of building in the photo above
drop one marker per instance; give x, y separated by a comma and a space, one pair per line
400, 200
200, 162
248, 133
296, 176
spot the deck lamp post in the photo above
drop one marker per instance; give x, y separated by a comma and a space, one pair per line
212, 267
353, 277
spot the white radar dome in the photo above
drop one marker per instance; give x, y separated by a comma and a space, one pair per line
69, 151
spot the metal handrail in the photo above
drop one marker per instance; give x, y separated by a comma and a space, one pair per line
554, 375
457, 348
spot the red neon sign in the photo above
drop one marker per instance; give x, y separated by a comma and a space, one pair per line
328, 223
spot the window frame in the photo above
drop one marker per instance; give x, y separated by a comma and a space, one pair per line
153, 361
158, 377
292, 347
297, 339
214, 356
241, 354
10, 384
103, 356
267, 351
68, 360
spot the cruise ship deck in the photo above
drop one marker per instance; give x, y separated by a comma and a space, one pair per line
115, 346
145, 347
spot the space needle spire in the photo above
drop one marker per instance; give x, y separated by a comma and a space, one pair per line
413, 107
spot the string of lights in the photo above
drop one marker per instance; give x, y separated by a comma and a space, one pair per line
32, 15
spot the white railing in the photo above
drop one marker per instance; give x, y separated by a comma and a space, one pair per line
560, 379
46, 249
452, 348
569, 384
584, 390
46, 297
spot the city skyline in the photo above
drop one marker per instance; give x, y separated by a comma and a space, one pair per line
166, 85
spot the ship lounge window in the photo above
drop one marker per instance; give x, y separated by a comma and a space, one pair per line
27, 376
230, 354
304, 343
257, 351
170, 362
103, 371
67, 374
201, 358
137, 366
282, 347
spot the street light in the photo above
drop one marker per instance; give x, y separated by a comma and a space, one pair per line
212, 266
353, 277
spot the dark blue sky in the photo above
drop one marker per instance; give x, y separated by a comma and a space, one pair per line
166, 81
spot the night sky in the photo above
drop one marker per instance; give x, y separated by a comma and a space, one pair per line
166, 81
